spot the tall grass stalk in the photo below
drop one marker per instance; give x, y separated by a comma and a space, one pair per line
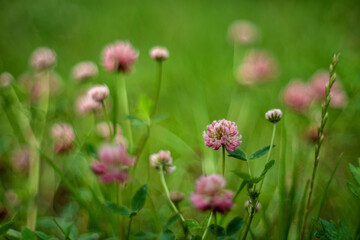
324, 117
123, 102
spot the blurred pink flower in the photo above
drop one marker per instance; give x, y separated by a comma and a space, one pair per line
243, 32
211, 195
257, 67
5, 79
119, 57
297, 96
84, 70
164, 159
102, 130
318, 89
64, 136
222, 133
85, 104
98, 92
20, 159
42, 58
114, 163
159, 53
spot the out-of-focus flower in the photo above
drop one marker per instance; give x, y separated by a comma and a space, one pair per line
176, 196
257, 67
37, 85
99, 93
211, 195
43, 58
159, 53
85, 104
258, 205
297, 96
5, 79
84, 71
222, 133
162, 159
12, 198
311, 134
20, 159
119, 57
273, 115
114, 163
102, 129
243, 32
318, 89
64, 136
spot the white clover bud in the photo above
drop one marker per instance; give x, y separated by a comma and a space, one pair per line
99, 93
273, 115
159, 53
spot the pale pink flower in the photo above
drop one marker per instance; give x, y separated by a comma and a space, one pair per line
159, 53
119, 57
85, 104
176, 196
43, 58
273, 115
20, 159
211, 195
99, 92
243, 32
84, 70
102, 129
5, 79
257, 67
162, 159
222, 133
12, 197
297, 96
318, 89
64, 136
114, 163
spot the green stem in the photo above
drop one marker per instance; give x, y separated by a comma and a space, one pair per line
108, 120
252, 213
157, 89
207, 225
129, 228
215, 223
123, 102
223, 160
168, 194
269, 153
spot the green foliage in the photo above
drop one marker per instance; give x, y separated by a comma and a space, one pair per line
234, 226
145, 235
120, 210
238, 154
219, 230
331, 231
241, 155
44, 236
259, 153
355, 187
253, 180
5, 227
138, 200
27, 234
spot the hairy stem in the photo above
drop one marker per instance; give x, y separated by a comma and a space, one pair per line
129, 228
252, 213
123, 102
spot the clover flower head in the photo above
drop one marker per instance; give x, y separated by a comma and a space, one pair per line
5, 79
243, 32
86, 104
119, 57
211, 195
43, 58
159, 53
64, 136
99, 93
222, 133
273, 115
162, 159
84, 70
297, 96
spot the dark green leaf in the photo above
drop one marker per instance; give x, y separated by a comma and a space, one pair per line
145, 235
44, 236
121, 210
244, 176
355, 172
138, 200
167, 235
238, 154
220, 230
331, 231
27, 234
5, 227
259, 153
197, 237
234, 226
192, 224
267, 167
171, 221
89, 236
354, 189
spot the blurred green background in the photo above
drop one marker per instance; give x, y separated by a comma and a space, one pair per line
198, 84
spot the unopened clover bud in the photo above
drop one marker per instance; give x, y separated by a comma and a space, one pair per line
99, 93
159, 53
176, 196
273, 115
5, 79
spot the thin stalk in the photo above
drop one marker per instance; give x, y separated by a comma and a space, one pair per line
157, 89
269, 153
168, 194
115, 105
108, 120
123, 102
223, 160
302, 207
207, 225
252, 213
324, 117
215, 223
129, 228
